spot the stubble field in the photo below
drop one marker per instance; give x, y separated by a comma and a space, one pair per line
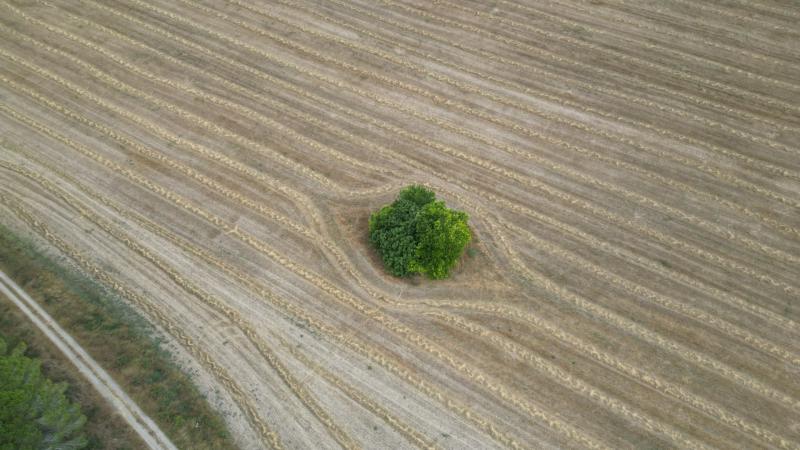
631, 170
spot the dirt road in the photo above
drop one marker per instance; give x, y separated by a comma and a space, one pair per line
105, 385
631, 170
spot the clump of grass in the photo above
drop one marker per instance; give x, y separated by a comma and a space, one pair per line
121, 340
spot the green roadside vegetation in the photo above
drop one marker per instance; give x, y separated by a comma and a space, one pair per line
119, 339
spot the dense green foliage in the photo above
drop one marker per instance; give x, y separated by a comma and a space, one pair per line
442, 235
34, 412
418, 234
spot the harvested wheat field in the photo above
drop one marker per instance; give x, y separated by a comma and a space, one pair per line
631, 171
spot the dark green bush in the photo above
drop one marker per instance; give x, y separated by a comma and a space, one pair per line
417, 234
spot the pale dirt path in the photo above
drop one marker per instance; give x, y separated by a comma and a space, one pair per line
100, 379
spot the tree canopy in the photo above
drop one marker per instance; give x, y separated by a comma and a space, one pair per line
418, 234
34, 412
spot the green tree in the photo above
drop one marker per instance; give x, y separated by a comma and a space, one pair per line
442, 235
417, 234
417, 195
34, 412
392, 233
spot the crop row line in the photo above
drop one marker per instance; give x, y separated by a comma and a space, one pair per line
653, 27
730, 329
231, 314
317, 281
528, 68
371, 405
682, 186
214, 99
738, 17
774, 169
237, 231
576, 384
523, 354
161, 132
726, 417
636, 43
184, 114
766, 166
530, 49
301, 199
773, 10
363, 117
261, 209
648, 335
726, 87
642, 292
787, 13
511, 206
281, 304
461, 107
589, 349
258, 147
538, 185
634, 328
636, 374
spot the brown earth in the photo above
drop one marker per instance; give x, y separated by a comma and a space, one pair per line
631, 170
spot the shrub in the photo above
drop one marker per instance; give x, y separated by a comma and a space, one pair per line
418, 234
34, 412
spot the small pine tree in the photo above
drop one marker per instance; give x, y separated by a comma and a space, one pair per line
34, 412
417, 234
